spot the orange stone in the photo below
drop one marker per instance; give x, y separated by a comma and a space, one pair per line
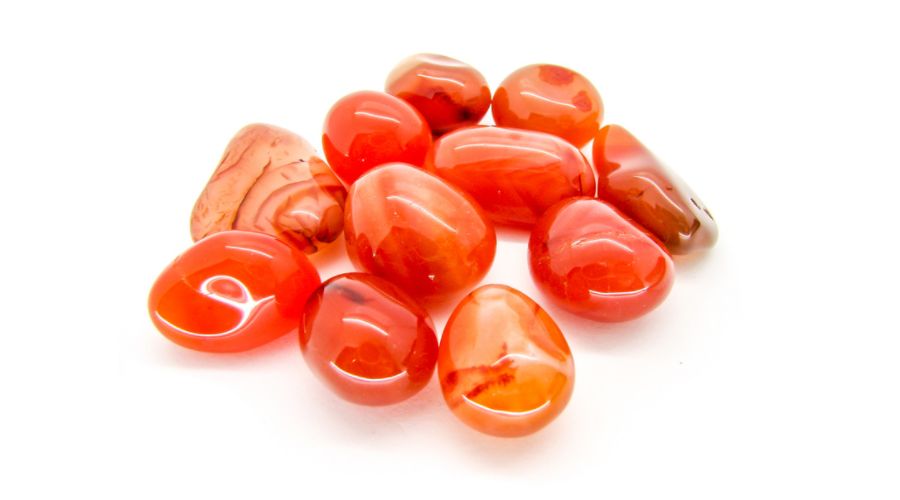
366, 129
232, 291
592, 260
514, 174
549, 99
414, 229
504, 366
366, 339
639, 185
450, 94
270, 181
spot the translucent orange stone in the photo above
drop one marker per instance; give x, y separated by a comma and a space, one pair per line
366, 129
639, 185
450, 94
515, 175
591, 259
414, 229
549, 99
232, 291
504, 366
368, 340
270, 181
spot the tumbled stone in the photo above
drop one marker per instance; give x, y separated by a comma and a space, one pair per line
504, 365
417, 231
270, 181
638, 184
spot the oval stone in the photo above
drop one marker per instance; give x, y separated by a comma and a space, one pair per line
450, 94
232, 291
367, 340
415, 230
515, 175
550, 99
366, 129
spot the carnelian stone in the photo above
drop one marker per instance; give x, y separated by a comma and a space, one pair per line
639, 185
515, 175
270, 181
366, 129
368, 340
591, 259
550, 99
414, 229
504, 366
450, 94
232, 291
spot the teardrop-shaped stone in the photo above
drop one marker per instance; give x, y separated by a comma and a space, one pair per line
504, 366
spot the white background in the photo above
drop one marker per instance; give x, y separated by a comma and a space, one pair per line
770, 372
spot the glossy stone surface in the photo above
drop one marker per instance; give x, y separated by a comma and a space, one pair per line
504, 366
269, 180
590, 259
232, 291
549, 99
366, 129
450, 94
514, 174
639, 185
366, 339
414, 229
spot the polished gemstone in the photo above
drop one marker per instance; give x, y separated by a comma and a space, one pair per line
416, 230
514, 174
232, 291
592, 260
549, 99
638, 184
270, 181
504, 366
366, 129
450, 94
367, 340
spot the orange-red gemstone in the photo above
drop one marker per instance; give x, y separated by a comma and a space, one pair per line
550, 99
232, 291
504, 366
514, 174
639, 185
368, 340
366, 129
592, 260
450, 94
270, 181
414, 229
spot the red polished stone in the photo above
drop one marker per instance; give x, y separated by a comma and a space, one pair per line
450, 94
549, 99
232, 291
639, 185
592, 260
514, 174
366, 129
504, 366
370, 342
417, 231
270, 181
